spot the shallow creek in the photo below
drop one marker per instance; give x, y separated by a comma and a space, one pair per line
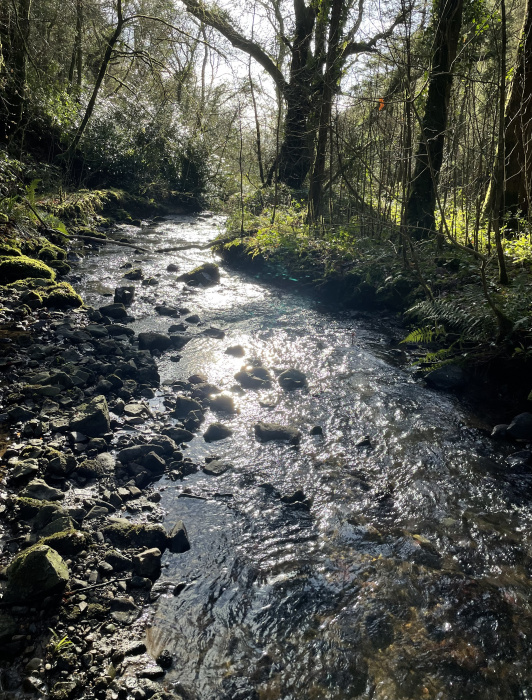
408, 577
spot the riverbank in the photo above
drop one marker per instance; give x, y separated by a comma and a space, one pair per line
452, 334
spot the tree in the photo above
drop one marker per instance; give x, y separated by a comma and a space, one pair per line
16, 29
516, 145
419, 212
321, 42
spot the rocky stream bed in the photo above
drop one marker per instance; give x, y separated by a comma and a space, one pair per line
215, 488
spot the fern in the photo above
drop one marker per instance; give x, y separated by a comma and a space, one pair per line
423, 335
468, 316
31, 191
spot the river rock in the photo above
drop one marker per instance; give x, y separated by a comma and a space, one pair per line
223, 402
148, 563
184, 405
235, 351
164, 310
24, 470
123, 533
206, 275
216, 467
265, 432
217, 431
213, 332
179, 340
34, 574
114, 311
118, 561
179, 435
447, 378
292, 379
178, 541
521, 427
173, 267
40, 491
150, 340
92, 418
254, 378
68, 542
134, 274
500, 431
153, 463
124, 295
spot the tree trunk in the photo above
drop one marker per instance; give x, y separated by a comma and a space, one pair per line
16, 58
429, 156
517, 143
101, 75
330, 84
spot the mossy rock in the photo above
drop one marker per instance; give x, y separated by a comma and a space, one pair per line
123, 533
31, 283
7, 250
50, 252
68, 541
61, 267
30, 507
34, 574
21, 267
63, 296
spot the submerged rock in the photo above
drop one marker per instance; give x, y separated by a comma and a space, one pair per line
292, 379
265, 432
34, 574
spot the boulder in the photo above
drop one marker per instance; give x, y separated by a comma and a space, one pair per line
206, 275
114, 311
123, 533
292, 379
179, 340
179, 435
223, 402
148, 563
264, 432
254, 378
34, 574
19, 267
68, 542
63, 296
150, 340
235, 351
521, 427
184, 405
500, 431
92, 418
216, 467
217, 431
40, 491
213, 332
178, 541
164, 310
447, 378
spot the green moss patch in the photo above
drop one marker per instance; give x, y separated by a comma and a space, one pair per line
63, 296
21, 267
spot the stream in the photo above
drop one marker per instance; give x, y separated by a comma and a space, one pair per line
407, 576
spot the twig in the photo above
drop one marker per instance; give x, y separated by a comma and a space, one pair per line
96, 585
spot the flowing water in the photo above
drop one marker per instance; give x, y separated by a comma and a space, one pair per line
409, 574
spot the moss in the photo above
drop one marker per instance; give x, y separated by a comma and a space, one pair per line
67, 541
62, 296
30, 507
21, 267
31, 283
61, 267
49, 252
7, 250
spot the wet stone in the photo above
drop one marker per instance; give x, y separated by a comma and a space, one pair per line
292, 379
265, 432
235, 351
217, 431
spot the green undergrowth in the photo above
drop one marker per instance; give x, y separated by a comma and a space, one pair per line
437, 289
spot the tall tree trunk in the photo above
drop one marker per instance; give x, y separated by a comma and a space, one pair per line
76, 63
295, 155
517, 142
429, 156
330, 84
16, 59
101, 75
